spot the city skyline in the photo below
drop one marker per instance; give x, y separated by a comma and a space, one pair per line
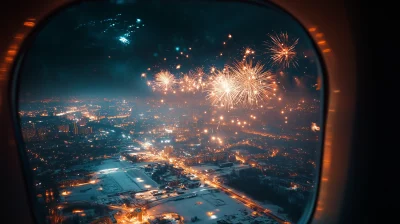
283, 147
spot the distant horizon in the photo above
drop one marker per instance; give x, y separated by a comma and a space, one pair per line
154, 96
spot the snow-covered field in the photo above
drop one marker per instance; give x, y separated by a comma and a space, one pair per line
144, 181
114, 176
206, 168
209, 208
88, 195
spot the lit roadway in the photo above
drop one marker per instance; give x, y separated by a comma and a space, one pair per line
246, 201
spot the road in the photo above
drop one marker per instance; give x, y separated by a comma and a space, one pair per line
236, 195
249, 203
242, 198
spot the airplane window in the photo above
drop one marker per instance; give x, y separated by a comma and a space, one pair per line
172, 112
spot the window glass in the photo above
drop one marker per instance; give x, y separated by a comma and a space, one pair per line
172, 112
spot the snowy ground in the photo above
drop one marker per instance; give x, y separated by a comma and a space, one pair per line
203, 168
144, 181
209, 207
76, 195
114, 176
128, 176
274, 209
206, 168
121, 176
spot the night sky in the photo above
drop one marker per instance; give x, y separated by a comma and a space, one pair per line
79, 52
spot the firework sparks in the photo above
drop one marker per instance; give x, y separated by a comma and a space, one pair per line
297, 80
248, 51
222, 89
254, 83
124, 40
314, 127
274, 152
212, 69
187, 83
165, 79
117, 25
199, 71
282, 50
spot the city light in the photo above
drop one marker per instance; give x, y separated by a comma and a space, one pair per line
174, 123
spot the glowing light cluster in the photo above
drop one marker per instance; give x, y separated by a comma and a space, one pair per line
222, 89
118, 27
314, 127
124, 40
254, 83
282, 50
192, 81
165, 79
241, 84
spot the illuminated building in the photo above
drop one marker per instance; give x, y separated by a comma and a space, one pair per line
83, 122
206, 158
85, 130
76, 129
63, 128
44, 114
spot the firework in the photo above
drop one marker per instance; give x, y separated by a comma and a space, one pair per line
222, 89
123, 40
297, 80
314, 127
282, 50
212, 69
199, 82
248, 51
254, 83
165, 80
199, 71
118, 27
187, 83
